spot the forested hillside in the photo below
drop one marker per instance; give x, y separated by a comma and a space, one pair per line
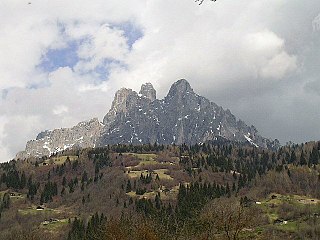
208, 191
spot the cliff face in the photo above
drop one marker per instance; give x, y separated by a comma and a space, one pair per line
148, 91
84, 134
181, 117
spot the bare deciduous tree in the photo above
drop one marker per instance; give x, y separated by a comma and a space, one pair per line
227, 215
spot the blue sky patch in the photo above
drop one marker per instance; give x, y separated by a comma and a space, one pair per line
131, 32
67, 56
64, 57
103, 70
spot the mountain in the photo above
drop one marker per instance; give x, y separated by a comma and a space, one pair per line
181, 117
84, 134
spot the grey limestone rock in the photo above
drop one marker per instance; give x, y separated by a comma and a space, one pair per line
148, 91
84, 134
181, 117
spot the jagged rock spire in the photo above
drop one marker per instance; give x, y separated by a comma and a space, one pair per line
180, 87
120, 99
148, 91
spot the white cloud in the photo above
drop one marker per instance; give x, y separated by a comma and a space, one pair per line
230, 51
268, 55
4, 152
60, 109
279, 66
316, 23
16, 130
104, 44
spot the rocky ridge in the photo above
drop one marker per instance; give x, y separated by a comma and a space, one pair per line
84, 134
181, 117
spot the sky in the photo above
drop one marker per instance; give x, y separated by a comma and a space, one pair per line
62, 61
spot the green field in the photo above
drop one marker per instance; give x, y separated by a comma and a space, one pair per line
60, 160
33, 211
291, 226
146, 163
161, 172
149, 195
54, 226
16, 197
145, 159
142, 156
164, 195
272, 205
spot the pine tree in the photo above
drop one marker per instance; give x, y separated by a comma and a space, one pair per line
84, 177
6, 200
158, 201
293, 157
23, 180
314, 156
62, 191
128, 188
228, 190
303, 160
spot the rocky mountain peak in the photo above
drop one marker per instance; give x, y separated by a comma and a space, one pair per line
121, 98
148, 91
181, 117
180, 90
180, 87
